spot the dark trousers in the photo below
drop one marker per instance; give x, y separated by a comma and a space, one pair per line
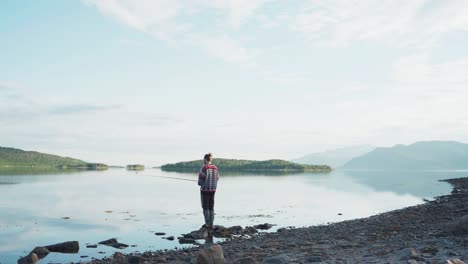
207, 200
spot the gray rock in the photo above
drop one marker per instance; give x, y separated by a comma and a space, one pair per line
278, 259
29, 259
65, 247
160, 233
212, 255
91, 246
41, 252
185, 240
460, 227
245, 260
108, 242
113, 243
314, 259
264, 226
135, 260
169, 238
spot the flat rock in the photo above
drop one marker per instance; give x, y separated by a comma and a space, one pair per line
245, 260
160, 233
65, 247
185, 240
455, 261
169, 238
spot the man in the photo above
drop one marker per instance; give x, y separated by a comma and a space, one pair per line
208, 181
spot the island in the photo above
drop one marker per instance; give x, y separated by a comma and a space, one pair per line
247, 165
17, 158
135, 167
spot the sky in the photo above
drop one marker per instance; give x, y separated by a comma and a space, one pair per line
157, 81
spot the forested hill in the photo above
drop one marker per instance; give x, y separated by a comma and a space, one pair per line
246, 165
11, 157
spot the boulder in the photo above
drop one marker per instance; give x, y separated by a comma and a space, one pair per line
212, 255
65, 247
169, 238
29, 259
41, 252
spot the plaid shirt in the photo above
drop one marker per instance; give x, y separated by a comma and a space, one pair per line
208, 178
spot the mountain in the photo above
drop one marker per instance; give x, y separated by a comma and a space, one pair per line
247, 165
11, 157
336, 157
424, 155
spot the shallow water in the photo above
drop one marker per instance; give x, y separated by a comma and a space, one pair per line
131, 206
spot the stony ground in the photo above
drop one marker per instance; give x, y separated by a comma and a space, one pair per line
433, 232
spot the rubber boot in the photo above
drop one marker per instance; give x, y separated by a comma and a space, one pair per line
212, 215
206, 214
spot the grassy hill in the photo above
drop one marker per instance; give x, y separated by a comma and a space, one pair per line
246, 165
424, 155
11, 157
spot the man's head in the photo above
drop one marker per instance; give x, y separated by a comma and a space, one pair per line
207, 158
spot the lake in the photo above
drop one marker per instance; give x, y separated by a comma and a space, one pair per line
131, 205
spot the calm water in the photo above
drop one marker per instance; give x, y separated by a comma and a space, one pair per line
132, 206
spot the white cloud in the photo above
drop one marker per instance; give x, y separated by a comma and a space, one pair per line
419, 69
226, 48
397, 23
170, 20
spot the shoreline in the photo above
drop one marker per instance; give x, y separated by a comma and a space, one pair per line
432, 232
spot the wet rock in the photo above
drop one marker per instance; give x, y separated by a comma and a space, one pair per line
113, 243
169, 238
455, 261
245, 260
314, 259
65, 247
161, 260
202, 233
278, 259
185, 240
235, 229
108, 242
250, 230
41, 252
221, 231
136, 259
91, 246
460, 227
160, 233
281, 230
32, 258
264, 226
212, 255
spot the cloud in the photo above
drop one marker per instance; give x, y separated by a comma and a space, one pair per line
174, 21
396, 23
419, 69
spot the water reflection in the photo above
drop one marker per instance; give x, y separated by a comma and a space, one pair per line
131, 207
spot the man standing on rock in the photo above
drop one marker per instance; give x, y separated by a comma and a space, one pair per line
208, 180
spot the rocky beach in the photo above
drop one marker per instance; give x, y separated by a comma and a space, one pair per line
433, 232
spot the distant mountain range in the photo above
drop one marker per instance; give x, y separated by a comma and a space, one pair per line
336, 157
424, 155
12, 157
